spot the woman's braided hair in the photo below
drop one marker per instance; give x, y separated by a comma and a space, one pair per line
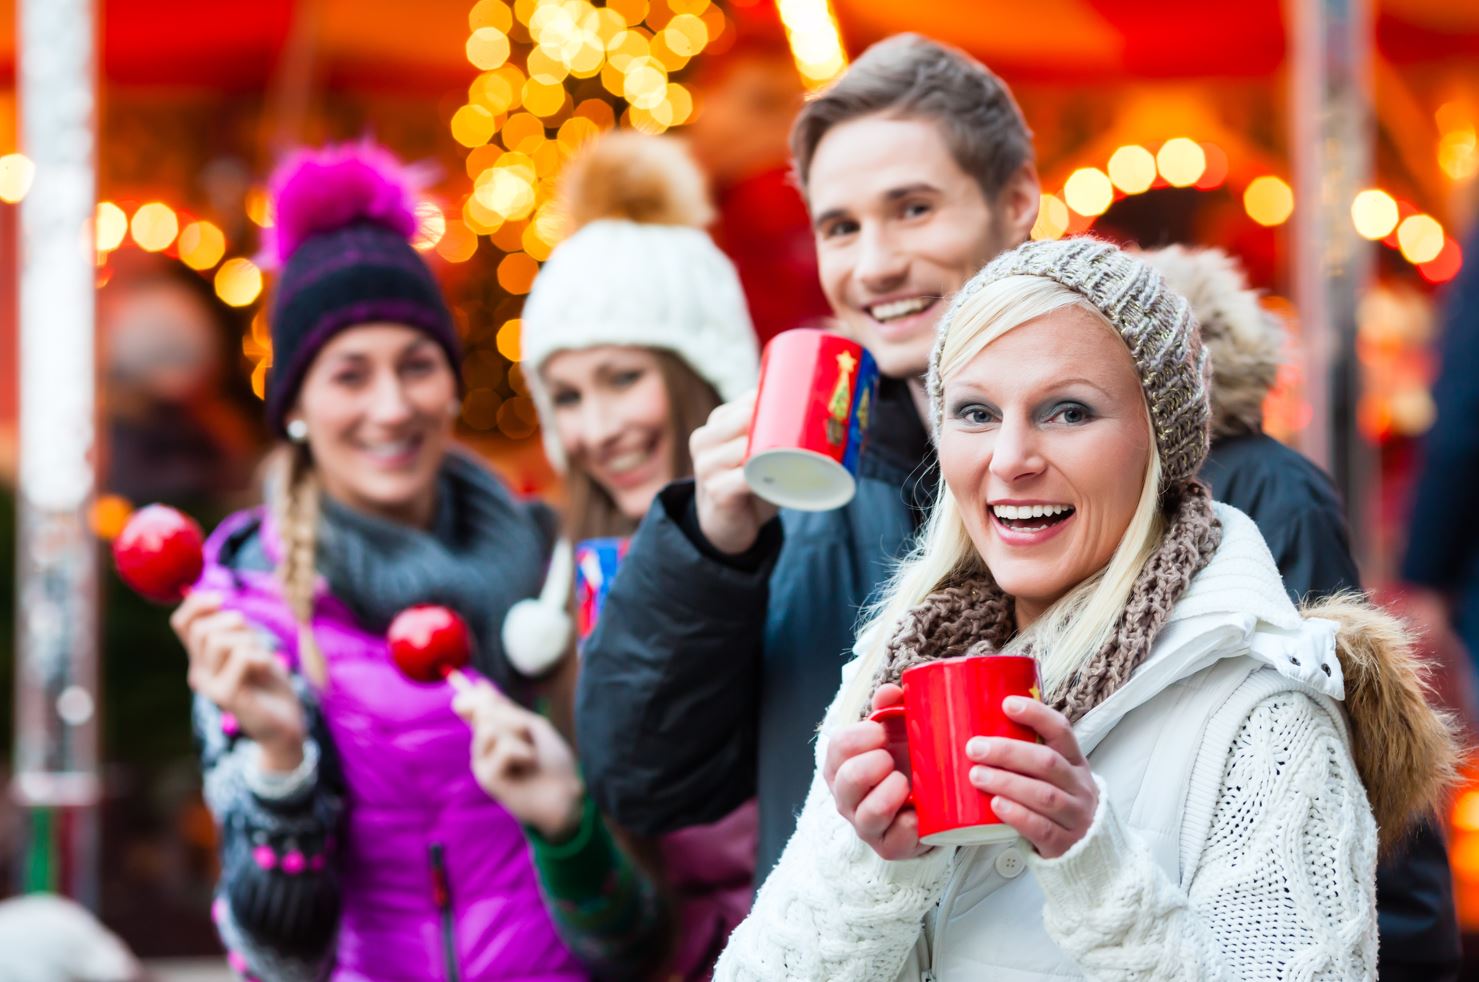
296, 517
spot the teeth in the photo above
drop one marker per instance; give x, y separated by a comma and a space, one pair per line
899, 308
627, 462
391, 449
1019, 512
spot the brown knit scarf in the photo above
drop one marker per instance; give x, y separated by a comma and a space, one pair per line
972, 616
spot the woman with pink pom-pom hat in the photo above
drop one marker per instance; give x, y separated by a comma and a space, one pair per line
356, 841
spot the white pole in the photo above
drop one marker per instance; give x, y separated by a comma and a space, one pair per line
56, 627
1330, 130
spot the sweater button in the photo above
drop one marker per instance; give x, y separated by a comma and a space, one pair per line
1009, 863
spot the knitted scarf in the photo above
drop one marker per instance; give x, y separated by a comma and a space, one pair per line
484, 552
970, 615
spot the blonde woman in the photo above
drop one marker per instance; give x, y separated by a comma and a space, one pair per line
1217, 769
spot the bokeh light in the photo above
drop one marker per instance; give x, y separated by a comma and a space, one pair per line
202, 245
1181, 161
508, 340
154, 226
458, 244
431, 225
1052, 218
1420, 238
1088, 191
816, 44
238, 282
1132, 169
110, 226
1374, 213
473, 125
516, 273
17, 173
490, 13
487, 48
1268, 200
259, 207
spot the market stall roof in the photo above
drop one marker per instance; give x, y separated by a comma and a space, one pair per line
419, 43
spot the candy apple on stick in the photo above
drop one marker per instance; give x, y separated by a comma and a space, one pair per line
160, 553
430, 644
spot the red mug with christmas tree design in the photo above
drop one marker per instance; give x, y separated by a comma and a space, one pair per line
817, 394
946, 703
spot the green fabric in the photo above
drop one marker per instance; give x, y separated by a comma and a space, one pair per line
605, 906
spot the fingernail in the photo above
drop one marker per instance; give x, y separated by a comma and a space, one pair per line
1000, 804
1015, 704
977, 747
978, 774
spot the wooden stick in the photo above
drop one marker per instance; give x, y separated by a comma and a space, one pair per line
457, 680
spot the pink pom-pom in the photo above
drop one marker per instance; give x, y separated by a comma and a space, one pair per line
315, 191
294, 863
265, 857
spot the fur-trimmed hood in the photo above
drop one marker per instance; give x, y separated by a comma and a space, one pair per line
1244, 341
1406, 751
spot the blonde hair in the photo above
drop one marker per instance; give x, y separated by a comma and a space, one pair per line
296, 514
1081, 622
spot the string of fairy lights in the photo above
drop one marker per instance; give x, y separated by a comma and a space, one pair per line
1181, 162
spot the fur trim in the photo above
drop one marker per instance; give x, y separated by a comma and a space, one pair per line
1406, 751
629, 176
1245, 341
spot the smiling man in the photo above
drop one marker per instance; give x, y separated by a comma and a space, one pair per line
723, 635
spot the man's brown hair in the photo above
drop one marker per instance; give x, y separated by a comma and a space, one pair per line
911, 77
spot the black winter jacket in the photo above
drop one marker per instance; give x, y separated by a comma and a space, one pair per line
707, 676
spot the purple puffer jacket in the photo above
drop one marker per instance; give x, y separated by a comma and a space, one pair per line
423, 848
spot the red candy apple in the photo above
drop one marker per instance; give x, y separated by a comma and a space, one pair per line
429, 643
159, 553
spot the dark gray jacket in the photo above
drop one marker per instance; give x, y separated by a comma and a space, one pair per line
706, 677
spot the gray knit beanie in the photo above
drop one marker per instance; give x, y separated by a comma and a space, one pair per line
1155, 322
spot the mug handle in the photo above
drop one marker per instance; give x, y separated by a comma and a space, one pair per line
892, 718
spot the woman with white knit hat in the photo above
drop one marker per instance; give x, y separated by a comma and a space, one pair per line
1216, 769
635, 331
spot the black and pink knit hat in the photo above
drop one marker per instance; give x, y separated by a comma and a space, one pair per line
345, 217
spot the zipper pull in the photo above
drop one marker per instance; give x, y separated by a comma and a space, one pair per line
928, 976
441, 890
441, 895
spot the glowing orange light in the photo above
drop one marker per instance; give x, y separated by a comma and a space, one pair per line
1268, 200
154, 226
201, 245
516, 273
110, 225
1088, 191
238, 282
509, 340
17, 173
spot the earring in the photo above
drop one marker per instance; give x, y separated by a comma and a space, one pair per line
297, 431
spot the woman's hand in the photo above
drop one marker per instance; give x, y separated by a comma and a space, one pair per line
1043, 790
869, 789
232, 666
522, 762
729, 513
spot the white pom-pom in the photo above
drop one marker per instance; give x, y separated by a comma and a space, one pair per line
535, 636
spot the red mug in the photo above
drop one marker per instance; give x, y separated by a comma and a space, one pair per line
817, 393
947, 702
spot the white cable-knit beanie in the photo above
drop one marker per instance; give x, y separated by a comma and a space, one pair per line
638, 271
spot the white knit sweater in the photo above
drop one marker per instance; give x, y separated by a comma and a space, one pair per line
1281, 891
